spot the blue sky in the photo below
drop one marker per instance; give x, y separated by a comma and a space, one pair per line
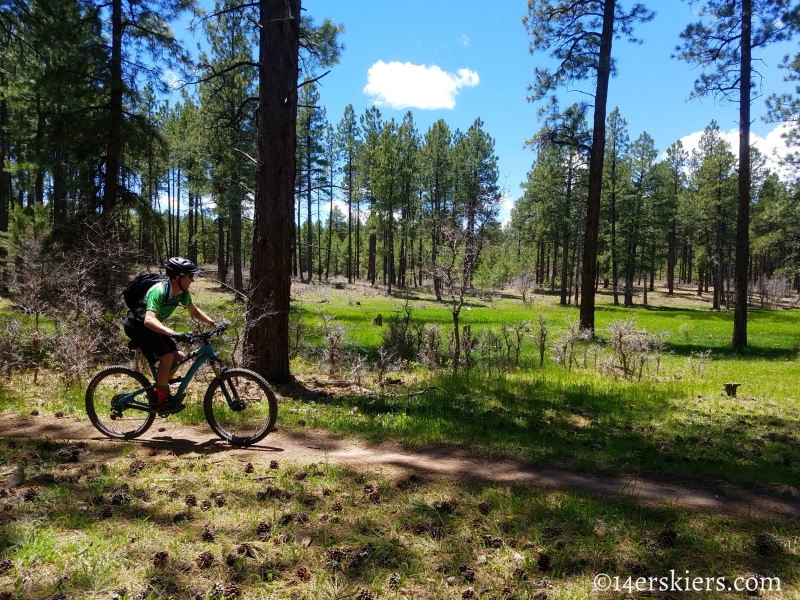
462, 59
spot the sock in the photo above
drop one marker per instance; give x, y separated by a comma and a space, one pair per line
161, 393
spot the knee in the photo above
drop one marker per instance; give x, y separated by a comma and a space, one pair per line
179, 355
167, 359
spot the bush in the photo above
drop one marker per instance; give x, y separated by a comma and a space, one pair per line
403, 338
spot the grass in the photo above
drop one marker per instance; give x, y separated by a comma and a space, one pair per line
675, 424
102, 513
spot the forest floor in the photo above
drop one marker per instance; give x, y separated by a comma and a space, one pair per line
392, 460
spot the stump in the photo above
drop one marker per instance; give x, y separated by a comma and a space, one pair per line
378, 320
730, 388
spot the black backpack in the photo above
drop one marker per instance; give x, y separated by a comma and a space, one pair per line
139, 286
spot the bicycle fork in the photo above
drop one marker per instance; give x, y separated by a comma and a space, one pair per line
235, 403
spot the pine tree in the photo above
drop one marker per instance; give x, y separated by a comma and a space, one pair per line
723, 47
579, 35
347, 133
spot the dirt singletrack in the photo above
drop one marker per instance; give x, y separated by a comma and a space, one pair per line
319, 446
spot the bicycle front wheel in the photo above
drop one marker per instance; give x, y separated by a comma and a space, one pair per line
106, 402
240, 406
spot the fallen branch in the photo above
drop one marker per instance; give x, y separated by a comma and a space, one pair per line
334, 382
424, 391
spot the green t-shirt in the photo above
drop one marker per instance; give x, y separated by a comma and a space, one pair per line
159, 301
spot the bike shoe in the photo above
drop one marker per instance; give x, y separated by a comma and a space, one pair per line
170, 407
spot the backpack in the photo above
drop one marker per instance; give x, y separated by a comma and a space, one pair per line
139, 286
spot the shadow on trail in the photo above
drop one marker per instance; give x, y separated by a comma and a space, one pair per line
583, 426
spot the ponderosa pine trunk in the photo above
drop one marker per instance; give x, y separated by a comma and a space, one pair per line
115, 114
743, 212
596, 168
267, 334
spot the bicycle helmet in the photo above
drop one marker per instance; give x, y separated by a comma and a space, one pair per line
178, 265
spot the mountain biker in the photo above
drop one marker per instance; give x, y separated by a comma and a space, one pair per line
145, 327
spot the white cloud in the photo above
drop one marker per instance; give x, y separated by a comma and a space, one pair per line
465, 41
772, 145
342, 206
405, 85
172, 79
506, 204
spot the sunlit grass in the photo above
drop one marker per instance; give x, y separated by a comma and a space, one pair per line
333, 532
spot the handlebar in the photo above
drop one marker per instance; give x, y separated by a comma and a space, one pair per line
205, 337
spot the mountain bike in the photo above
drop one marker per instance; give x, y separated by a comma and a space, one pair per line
239, 405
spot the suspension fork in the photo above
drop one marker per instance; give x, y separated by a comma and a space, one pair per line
232, 394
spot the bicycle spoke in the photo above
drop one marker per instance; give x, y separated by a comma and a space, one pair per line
240, 406
109, 398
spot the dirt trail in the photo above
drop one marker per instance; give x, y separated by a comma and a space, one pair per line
318, 446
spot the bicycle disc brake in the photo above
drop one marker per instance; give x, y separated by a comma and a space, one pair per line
238, 405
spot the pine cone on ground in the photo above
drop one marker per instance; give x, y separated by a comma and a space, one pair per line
273, 464
248, 468
484, 508
394, 580
365, 594
6, 566
160, 558
264, 530
469, 594
208, 534
191, 500
543, 562
205, 560
336, 506
303, 574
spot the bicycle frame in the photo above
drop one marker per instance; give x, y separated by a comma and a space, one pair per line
201, 355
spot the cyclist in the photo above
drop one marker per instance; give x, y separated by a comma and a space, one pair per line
157, 341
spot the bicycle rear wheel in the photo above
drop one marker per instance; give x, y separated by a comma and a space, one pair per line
240, 406
106, 408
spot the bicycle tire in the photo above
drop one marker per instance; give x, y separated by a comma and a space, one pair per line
118, 379
249, 424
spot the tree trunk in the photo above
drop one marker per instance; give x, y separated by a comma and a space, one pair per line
222, 264
371, 266
743, 211
309, 222
578, 249
350, 220
671, 260
115, 115
267, 332
178, 210
236, 242
596, 168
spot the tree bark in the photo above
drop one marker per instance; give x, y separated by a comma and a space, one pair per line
267, 333
222, 264
115, 115
671, 260
596, 168
743, 211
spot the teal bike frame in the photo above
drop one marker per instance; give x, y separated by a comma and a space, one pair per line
201, 355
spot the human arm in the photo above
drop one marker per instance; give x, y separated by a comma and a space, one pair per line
199, 315
151, 322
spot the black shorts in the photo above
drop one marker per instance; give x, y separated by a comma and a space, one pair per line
152, 344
